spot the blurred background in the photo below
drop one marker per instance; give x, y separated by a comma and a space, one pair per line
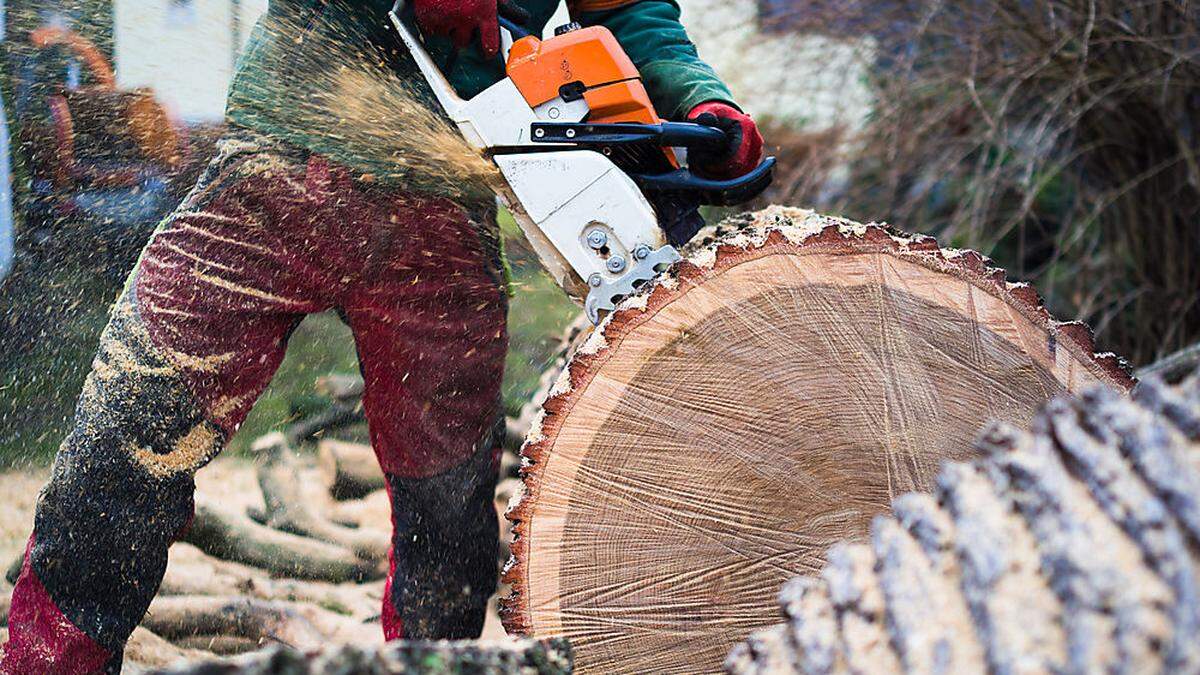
1056, 136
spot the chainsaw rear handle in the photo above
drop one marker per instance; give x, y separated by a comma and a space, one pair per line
707, 190
666, 134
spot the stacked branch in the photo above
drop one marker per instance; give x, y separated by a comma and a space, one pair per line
521, 657
1069, 547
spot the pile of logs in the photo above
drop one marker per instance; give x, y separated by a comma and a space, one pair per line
1068, 547
303, 570
469, 657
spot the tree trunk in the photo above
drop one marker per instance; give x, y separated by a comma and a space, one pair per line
722, 428
1070, 547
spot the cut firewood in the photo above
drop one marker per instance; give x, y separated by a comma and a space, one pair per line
13, 570
374, 510
1072, 547
221, 645
294, 624
289, 510
233, 536
467, 657
723, 427
351, 469
191, 572
179, 616
147, 650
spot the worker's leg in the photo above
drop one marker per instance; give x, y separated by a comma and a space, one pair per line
192, 341
431, 340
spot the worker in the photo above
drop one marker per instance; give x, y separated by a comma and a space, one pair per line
287, 221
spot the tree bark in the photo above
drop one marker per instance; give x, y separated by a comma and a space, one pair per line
1072, 546
468, 657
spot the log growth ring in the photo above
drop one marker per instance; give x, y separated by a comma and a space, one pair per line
720, 430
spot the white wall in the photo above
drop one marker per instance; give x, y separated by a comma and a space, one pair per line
813, 82
181, 48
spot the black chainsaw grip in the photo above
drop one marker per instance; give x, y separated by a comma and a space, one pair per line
711, 191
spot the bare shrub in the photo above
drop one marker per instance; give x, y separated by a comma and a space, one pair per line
1059, 136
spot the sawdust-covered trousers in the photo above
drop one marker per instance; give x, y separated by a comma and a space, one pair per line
269, 235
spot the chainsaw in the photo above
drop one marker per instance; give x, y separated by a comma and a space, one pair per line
595, 179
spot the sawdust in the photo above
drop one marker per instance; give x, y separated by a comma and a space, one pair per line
193, 450
359, 111
380, 118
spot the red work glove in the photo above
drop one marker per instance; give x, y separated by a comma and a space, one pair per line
745, 148
460, 20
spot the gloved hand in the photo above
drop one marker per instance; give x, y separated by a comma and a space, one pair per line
460, 20
745, 148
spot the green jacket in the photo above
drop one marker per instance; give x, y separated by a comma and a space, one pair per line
297, 49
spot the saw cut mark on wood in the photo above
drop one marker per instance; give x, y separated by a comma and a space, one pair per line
719, 431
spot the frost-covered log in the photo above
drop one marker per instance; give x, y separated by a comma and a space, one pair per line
1070, 546
519, 657
722, 428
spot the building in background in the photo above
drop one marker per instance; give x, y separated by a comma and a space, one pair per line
781, 71
184, 49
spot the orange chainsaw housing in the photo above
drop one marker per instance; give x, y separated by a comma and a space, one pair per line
592, 58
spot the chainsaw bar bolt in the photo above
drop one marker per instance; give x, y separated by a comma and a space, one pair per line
641, 252
597, 239
616, 264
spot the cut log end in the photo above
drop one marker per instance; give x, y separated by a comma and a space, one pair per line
721, 429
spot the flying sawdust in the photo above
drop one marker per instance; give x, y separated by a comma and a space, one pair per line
378, 118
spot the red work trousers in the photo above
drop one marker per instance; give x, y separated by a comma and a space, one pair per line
269, 235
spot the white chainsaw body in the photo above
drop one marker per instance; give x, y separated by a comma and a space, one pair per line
589, 223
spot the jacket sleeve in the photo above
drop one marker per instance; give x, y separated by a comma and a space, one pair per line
651, 33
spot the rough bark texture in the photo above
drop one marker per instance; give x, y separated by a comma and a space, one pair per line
1071, 546
522, 657
769, 397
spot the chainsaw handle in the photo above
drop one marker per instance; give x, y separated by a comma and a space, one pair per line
666, 134
711, 191
514, 29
